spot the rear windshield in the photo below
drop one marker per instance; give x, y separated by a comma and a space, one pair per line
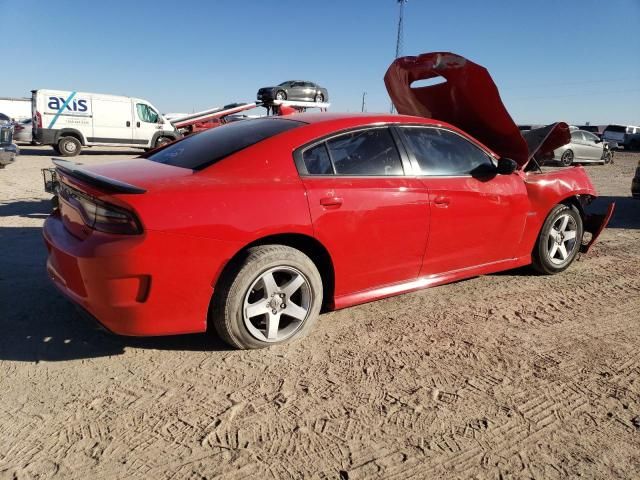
616, 128
199, 151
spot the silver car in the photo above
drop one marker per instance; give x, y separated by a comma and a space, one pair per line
584, 147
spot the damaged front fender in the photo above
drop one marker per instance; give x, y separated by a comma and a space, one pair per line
595, 223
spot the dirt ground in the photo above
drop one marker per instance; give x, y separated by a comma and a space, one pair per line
507, 376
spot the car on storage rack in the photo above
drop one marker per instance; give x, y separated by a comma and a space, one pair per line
263, 222
298, 90
69, 121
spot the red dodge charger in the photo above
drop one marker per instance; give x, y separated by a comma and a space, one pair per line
254, 227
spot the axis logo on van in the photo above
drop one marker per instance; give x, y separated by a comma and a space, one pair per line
76, 106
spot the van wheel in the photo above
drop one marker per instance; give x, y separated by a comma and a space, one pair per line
162, 141
69, 146
273, 296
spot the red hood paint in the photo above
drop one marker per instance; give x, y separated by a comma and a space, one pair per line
469, 100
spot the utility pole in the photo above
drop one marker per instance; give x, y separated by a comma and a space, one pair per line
364, 94
400, 35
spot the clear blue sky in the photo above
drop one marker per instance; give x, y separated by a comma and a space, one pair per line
552, 60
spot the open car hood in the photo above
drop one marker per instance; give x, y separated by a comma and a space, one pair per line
469, 100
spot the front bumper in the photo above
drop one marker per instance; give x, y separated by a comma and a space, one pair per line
151, 284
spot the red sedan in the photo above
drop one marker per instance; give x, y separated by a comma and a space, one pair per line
254, 227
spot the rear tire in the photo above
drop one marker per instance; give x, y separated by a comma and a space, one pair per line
273, 296
559, 240
69, 146
567, 158
608, 156
281, 95
319, 98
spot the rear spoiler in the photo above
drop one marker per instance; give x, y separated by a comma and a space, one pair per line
77, 171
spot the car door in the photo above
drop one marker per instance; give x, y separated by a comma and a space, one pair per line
477, 216
147, 123
371, 217
593, 147
579, 146
296, 91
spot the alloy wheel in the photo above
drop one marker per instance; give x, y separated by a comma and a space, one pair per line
277, 304
562, 240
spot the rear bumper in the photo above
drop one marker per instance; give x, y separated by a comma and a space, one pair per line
153, 284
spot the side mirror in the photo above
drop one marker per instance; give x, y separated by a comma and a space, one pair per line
598, 140
506, 166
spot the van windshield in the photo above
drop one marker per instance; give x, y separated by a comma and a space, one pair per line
206, 148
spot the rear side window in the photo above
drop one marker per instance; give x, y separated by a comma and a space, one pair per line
367, 152
203, 149
440, 152
317, 160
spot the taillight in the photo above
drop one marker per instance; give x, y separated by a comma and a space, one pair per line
38, 120
99, 215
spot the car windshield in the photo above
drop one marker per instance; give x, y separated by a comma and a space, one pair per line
284, 84
203, 149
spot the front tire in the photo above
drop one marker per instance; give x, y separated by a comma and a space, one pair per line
273, 296
606, 159
162, 141
69, 146
559, 240
567, 158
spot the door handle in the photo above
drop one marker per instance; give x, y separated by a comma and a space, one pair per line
137, 124
128, 123
331, 201
441, 201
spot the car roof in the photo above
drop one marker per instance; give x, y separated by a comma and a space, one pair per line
350, 120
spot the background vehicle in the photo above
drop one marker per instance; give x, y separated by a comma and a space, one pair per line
595, 129
4, 119
70, 120
23, 132
294, 90
8, 150
627, 137
585, 147
214, 117
16, 108
635, 183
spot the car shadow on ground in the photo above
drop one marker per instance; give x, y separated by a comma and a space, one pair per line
26, 208
626, 214
49, 152
39, 324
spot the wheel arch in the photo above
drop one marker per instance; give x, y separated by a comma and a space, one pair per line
307, 244
70, 132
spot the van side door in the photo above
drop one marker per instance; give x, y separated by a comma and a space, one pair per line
112, 122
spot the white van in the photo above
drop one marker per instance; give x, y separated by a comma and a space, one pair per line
70, 120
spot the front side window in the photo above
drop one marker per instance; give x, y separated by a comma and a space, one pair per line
367, 152
146, 113
444, 153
